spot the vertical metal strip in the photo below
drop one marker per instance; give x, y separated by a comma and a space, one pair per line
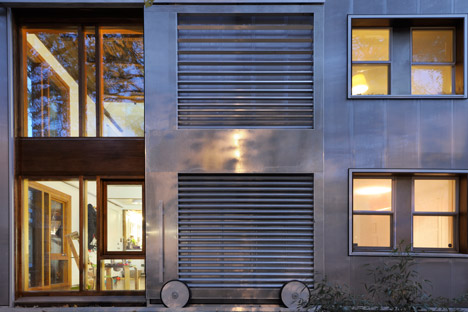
161, 240
11, 161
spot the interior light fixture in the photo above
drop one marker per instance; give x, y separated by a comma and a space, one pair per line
373, 190
359, 84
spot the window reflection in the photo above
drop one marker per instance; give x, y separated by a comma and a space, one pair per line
123, 82
432, 62
52, 82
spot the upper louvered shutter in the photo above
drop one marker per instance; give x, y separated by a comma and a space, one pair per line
245, 230
245, 71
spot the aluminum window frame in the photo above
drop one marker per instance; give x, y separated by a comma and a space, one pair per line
454, 54
455, 214
391, 213
388, 63
402, 18
458, 175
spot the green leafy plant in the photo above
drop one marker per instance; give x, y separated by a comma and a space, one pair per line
397, 285
327, 297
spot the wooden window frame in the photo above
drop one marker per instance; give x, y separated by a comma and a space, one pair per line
21, 195
104, 252
26, 23
66, 219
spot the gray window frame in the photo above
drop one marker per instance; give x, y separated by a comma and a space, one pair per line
403, 208
394, 71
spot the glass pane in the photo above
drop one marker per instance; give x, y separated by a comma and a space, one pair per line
371, 230
90, 63
431, 79
56, 227
432, 232
433, 46
51, 83
123, 61
123, 274
90, 236
370, 79
372, 194
371, 44
124, 217
434, 195
51, 261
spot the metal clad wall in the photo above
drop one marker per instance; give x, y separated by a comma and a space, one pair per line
245, 230
4, 156
172, 150
384, 133
245, 71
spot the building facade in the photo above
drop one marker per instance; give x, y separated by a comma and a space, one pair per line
211, 153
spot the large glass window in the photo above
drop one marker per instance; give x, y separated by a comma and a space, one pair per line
83, 81
372, 212
403, 208
434, 213
433, 61
371, 60
406, 57
51, 231
65, 233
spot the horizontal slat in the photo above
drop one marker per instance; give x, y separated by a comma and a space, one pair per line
255, 234
269, 222
243, 267
245, 245
247, 82
246, 73
260, 274
243, 63
242, 262
245, 27
242, 190
260, 239
224, 256
245, 90
219, 40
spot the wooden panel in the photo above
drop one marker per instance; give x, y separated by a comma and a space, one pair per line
80, 156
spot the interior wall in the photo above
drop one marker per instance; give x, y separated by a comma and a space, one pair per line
389, 133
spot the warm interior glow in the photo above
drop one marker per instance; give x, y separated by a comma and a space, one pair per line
359, 84
372, 194
373, 190
371, 230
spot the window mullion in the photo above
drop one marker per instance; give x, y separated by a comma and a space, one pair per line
81, 82
99, 82
403, 202
83, 257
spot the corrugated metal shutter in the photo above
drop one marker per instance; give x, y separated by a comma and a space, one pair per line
245, 230
245, 71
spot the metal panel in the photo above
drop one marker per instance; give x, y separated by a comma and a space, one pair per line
171, 150
245, 230
245, 71
4, 158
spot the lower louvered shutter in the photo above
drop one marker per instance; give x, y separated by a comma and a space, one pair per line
245, 230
